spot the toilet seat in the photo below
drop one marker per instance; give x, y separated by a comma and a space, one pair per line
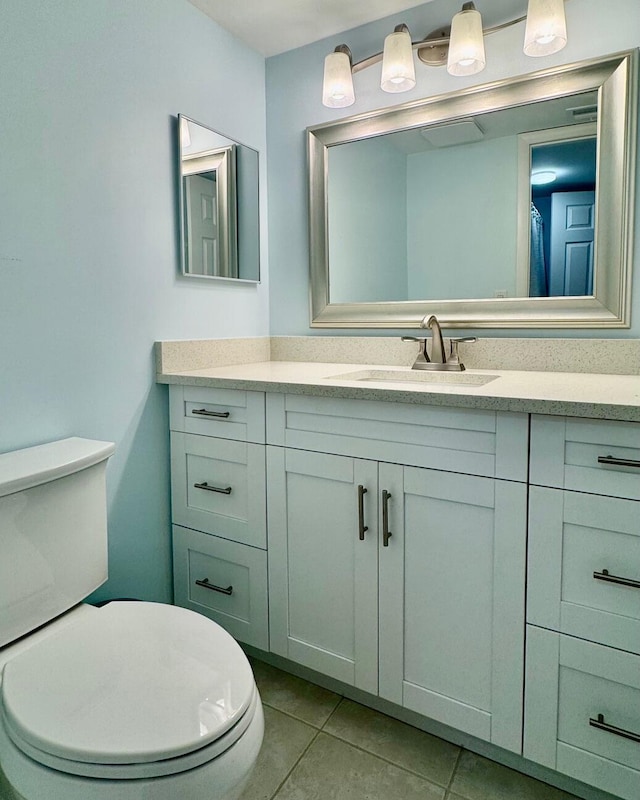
135, 690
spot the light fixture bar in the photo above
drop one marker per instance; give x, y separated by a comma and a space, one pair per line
358, 66
545, 33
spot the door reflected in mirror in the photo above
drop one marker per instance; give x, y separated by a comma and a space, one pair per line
563, 195
219, 199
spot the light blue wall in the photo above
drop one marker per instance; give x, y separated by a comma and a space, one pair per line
88, 246
294, 82
368, 258
466, 247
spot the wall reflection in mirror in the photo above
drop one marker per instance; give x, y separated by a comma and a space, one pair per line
440, 212
219, 199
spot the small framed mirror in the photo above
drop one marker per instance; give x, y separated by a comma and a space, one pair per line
219, 205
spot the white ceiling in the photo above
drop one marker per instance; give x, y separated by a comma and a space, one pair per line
274, 26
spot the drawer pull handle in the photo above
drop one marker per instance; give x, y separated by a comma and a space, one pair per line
386, 533
618, 462
362, 528
604, 576
206, 585
203, 412
604, 726
204, 485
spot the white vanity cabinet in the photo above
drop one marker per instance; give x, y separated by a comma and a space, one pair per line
582, 709
397, 554
218, 493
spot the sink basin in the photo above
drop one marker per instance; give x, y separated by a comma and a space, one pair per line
416, 376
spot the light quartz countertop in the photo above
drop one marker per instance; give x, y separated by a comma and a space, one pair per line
601, 396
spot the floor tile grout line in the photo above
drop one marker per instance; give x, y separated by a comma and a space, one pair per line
300, 757
455, 768
336, 707
386, 760
318, 730
297, 719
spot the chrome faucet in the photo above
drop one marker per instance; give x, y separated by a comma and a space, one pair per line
438, 359
438, 356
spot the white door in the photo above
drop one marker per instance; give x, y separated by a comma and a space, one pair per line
202, 224
323, 567
572, 229
452, 600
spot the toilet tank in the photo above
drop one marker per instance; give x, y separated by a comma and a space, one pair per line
53, 531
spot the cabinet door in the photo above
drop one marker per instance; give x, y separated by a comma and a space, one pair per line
323, 596
452, 600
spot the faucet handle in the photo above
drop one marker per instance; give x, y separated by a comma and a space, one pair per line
422, 357
454, 358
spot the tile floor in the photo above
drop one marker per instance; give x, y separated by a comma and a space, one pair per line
320, 746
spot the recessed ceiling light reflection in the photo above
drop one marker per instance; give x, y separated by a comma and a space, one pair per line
543, 177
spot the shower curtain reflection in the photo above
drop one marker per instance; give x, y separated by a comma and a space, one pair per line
538, 283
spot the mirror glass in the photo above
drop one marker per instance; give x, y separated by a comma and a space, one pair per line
491, 206
444, 224
219, 215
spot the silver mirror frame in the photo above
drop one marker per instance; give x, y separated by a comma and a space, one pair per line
615, 78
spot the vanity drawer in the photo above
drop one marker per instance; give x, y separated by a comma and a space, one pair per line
218, 486
475, 442
582, 711
598, 456
584, 566
224, 413
223, 580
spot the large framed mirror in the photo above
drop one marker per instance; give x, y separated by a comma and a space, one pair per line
219, 199
441, 206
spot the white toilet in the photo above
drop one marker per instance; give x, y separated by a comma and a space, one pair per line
131, 700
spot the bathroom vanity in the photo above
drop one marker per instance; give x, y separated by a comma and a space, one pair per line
469, 551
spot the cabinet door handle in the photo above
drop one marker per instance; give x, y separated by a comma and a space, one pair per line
604, 576
206, 585
362, 528
386, 533
204, 485
618, 462
203, 412
599, 723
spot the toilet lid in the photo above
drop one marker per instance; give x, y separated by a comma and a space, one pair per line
134, 683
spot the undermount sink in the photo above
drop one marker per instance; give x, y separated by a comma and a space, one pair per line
415, 376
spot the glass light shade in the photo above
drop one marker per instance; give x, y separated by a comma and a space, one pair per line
466, 44
546, 29
398, 70
337, 88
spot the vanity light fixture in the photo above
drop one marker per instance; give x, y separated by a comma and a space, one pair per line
460, 47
